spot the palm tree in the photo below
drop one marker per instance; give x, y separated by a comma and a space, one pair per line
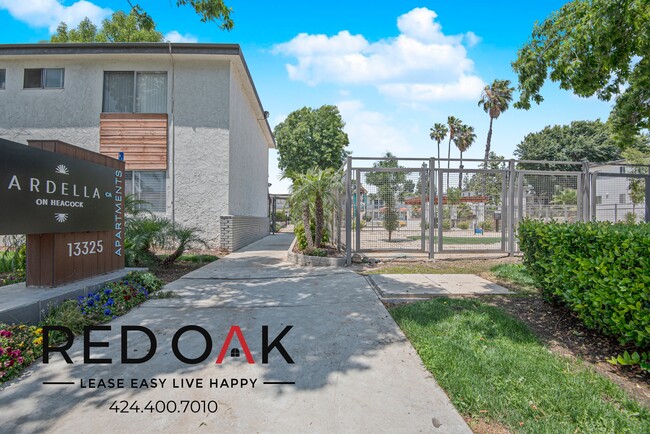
438, 133
454, 124
495, 100
316, 187
300, 201
464, 139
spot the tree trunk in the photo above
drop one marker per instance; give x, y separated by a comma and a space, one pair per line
169, 260
488, 143
460, 174
319, 220
487, 154
438, 161
306, 222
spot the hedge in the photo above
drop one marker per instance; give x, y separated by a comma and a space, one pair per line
599, 270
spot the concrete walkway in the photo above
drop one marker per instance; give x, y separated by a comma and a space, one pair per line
354, 370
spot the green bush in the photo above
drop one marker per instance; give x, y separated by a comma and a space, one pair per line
299, 231
446, 225
599, 270
486, 225
463, 225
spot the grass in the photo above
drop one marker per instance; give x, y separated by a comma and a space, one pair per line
493, 367
451, 267
479, 239
514, 276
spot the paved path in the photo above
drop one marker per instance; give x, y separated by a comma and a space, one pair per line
432, 285
354, 370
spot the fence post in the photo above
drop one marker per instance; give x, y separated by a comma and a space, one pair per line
579, 200
423, 207
357, 211
348, 209
439, 195
504, 210
432, 190
593, 191
586, 212
647, 198
511, 208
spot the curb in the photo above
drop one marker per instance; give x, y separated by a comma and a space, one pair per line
312, 261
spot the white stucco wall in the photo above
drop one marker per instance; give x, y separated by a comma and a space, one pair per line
248, 155
200, 127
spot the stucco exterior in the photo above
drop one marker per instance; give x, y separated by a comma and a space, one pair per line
218, 137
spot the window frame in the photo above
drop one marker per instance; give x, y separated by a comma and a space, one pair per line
3, 82
43, 82
135, 90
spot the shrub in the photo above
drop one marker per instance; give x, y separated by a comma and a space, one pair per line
599, 270
630, 218
299, 231
316, 252
463, 225
446, 224
486, 225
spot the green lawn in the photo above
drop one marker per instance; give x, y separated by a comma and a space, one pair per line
478, 239
493, 367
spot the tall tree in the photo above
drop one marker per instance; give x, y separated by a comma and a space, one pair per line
438, 133
463, 140
495, 99
454, 124
390, 189
311, 138
120, 27
209, 11
580, 141
593, 47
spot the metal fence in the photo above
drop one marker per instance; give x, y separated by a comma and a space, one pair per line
453, 206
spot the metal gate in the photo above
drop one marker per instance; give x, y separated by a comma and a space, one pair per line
429, 208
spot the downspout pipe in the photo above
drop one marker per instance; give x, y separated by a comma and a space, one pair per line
172, 143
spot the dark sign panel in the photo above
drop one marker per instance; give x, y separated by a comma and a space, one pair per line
47, 192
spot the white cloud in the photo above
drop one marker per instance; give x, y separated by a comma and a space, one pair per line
175, 36
49, 13
420, 59
466, 87
472, 39
371, 133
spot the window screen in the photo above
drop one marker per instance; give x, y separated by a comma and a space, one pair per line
33, 79
151, 92
148, 186
118, 92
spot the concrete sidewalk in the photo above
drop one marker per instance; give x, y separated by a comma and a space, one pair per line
354, 370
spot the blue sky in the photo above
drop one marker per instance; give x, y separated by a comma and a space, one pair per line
393, 68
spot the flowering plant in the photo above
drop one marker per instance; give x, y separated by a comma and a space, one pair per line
20, 345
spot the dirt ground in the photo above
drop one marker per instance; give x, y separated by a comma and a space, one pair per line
554, 324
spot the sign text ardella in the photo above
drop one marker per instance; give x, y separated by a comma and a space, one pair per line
46, 192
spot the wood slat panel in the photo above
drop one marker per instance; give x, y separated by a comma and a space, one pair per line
141, 136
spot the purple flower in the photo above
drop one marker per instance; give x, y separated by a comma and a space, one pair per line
90, 302
107, 291
107, 312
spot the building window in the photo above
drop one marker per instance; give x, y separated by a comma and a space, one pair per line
135, 92
599, 200
621, 198
3, 78
44, 78
149, 187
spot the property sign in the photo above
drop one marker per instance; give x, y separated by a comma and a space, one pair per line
46, 192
